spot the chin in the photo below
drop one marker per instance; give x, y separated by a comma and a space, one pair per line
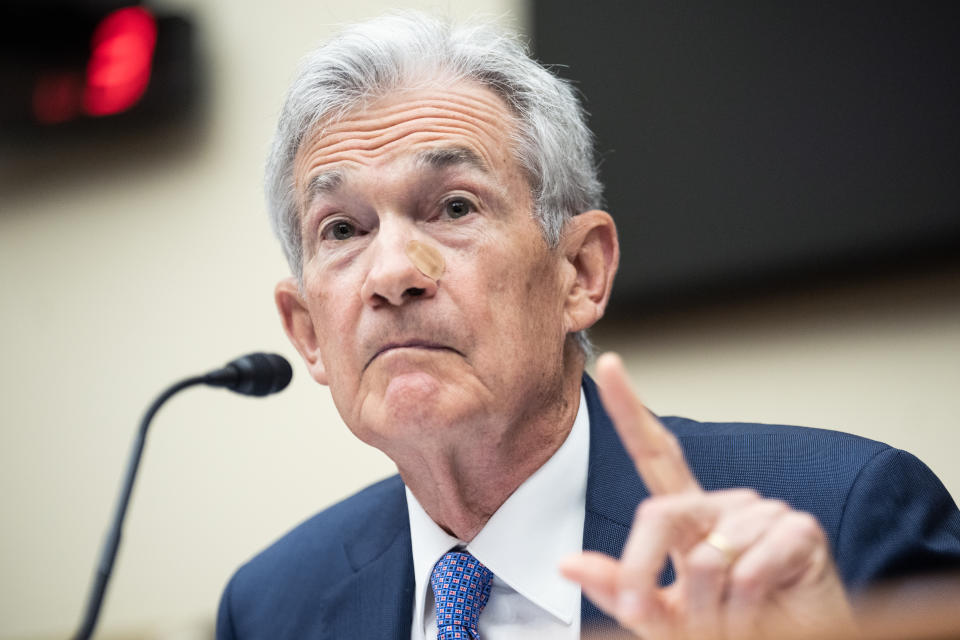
417, 402
417, 388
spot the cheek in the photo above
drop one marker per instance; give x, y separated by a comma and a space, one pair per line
333, 309
521, 301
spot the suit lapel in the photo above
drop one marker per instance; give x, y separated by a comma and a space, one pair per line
614, 489
376, 601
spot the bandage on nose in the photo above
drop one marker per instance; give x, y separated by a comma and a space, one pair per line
426, 259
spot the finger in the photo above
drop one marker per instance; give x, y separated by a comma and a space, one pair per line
597, 574
706, 568
787, 578
668, 524
654, 450
599, 578
787, 550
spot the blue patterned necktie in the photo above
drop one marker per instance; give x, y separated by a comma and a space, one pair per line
461, 587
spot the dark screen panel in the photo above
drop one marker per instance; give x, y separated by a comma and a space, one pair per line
760, 143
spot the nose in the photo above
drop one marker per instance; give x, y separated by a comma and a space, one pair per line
392, 279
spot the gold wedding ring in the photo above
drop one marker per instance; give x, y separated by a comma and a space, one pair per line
720, 542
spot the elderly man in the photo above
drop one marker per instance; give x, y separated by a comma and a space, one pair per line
436, 195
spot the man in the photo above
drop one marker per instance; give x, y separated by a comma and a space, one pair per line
436, 195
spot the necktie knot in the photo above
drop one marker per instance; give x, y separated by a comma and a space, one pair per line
461, 587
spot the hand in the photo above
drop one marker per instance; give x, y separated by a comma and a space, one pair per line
745, 566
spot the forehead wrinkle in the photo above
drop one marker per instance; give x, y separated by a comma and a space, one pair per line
468, 109
371, 138
475, 139
484, 107
387, 113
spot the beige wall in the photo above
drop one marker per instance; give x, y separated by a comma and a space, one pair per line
152, 259
123, 270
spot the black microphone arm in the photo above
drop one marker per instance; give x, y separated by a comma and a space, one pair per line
255, 374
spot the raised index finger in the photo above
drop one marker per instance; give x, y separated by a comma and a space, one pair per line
654, 450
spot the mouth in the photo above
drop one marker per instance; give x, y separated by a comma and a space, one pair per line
411, 344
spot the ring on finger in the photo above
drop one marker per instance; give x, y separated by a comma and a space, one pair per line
720, 542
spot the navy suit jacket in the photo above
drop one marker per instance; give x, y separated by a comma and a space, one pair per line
884, 513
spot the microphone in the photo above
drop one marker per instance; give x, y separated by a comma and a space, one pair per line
255, 374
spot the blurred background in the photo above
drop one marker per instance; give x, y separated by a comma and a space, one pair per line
784, 175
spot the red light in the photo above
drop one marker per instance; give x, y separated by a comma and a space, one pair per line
120, 61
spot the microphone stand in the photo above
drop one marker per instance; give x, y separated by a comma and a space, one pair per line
255, 374
112, 542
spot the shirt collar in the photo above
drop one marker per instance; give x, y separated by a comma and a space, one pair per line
524, 541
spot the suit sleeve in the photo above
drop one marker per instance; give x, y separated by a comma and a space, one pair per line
898, 520
225, 629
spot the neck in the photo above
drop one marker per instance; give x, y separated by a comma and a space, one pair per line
461, 488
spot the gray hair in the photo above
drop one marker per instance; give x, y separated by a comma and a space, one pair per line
368, 60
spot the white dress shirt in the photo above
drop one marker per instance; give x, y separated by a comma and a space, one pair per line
522, 544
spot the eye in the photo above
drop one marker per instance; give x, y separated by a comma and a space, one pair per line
339, 230
458, 207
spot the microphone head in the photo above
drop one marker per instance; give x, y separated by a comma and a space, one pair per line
259, 374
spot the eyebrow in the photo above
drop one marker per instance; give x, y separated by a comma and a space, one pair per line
323, 184
442, 158
446, 157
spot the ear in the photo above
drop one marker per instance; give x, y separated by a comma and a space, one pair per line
298, 324
591, 248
